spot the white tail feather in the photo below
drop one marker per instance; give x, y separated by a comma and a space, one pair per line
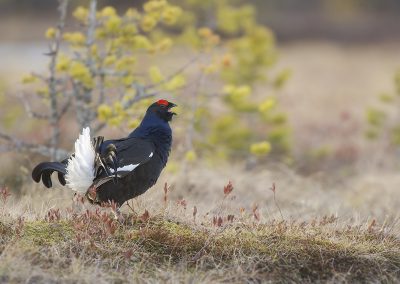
80, 168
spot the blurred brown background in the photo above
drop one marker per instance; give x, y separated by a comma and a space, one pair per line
339, 20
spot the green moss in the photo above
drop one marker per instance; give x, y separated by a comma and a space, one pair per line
314, 253
45, 233
170, 238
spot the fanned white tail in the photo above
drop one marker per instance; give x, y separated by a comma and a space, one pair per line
80, 168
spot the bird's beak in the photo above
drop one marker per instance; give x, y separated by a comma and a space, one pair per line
171, 105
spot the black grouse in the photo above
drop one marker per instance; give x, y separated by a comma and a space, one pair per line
116, 170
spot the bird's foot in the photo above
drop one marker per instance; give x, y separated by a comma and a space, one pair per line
118, 216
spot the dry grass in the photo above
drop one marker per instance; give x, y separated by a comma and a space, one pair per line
334, 229
164, 239
90, 246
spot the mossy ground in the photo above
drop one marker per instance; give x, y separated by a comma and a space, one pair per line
87, 249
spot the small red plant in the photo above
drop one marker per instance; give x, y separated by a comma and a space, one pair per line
166, 189
182, 202
128, 254
19, 225
194, 214
4, 194
228, 188
53, 215
217, 221
371, 226
145, 216
273, 189
256, 213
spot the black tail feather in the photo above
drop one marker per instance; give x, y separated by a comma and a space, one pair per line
44, 170
61, 178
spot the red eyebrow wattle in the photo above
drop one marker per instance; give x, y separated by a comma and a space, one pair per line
162, 102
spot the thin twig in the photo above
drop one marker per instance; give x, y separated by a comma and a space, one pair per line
6, 148
29, 111
131, 207
273, 189
54, 50
177, 72
102, 90
19, 145
65, 108
89, 114
90, 36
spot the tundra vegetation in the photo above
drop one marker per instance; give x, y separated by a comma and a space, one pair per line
221, 67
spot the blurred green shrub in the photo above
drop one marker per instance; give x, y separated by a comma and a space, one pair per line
99, 72
383, 119
245, 60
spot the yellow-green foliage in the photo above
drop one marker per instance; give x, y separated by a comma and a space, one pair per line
103, 59
261, 148
230, 135
397, 82
101, 56
383, 118
190, 156
375, 117
249, 56
10, 114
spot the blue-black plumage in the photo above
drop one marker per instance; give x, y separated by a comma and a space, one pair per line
122, 168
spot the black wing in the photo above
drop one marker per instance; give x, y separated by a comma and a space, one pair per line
130, 153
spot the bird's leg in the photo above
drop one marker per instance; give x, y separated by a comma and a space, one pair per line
97, 141
111, 159
91, 194
118, 215
106, 161
99, 163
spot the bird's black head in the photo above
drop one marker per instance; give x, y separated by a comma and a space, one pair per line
163, 109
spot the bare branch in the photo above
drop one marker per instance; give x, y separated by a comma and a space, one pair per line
177, 72
114, 73
84, 96
65, 108
39, 76
5, 137
6, 148
54, 115
92, 24
102, 88
30, 112
15, 144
